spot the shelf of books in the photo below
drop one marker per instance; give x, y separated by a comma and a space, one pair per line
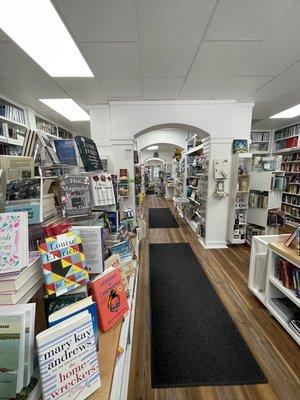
274, 278
260, 142
68, 274
196, 188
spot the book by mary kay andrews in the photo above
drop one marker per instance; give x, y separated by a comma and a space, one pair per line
68, 359
13, 241
64, 264
75, 196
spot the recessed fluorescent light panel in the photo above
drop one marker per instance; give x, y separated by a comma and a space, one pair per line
67, 108
37, 28
289, 113
152, 148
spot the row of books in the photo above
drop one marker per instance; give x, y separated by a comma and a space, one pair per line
291, 157
291, 211
286, 132
293, 189
285, 308
287, 143
288, 275
12, 113
295, 167
293, 200
260, 136
258, 199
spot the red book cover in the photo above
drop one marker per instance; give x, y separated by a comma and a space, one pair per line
123, 174
110, 297
292, 142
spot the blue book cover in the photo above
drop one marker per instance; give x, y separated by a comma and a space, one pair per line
113, 217
92, 309
65, 151
123, 249
33, 210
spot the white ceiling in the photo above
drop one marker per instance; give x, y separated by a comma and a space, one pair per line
248, 50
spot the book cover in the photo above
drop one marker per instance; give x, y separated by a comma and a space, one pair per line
239, 146
65, 151
32, 209
113, 217
124, 249
123, 174
75, 196
89, 153
12, 340
86, 304
93, 246
64, 264
110, 296
53, 304
13, 241
114, 261
68, 359
102, 190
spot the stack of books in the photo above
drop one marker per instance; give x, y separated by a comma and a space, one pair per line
286, 309
295, 325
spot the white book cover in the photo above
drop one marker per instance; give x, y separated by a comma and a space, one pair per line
12, 345
102, 190
68, 359
13, 241
93, 246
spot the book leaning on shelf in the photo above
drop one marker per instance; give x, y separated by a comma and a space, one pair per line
68, 359
75, 196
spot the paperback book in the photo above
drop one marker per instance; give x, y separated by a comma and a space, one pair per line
54, 304
64, 264
68, 359
124, 249
65, 151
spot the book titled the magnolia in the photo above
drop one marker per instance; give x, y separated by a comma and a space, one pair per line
75, 196
110, 297
64, 264
68, 359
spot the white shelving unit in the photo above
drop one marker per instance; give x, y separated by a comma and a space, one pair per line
238, 197
260, 142
262, 281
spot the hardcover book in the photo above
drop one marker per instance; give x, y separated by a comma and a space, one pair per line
13, 242
65, 151
102, 190
75, 196
86, 304
64, 264
89, 153
113, 217
239, 146
68, 359
124, 249
12, 341
110, 296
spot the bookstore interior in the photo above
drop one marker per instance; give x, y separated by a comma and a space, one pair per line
149, 200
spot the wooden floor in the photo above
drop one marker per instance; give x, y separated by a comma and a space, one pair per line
277, 354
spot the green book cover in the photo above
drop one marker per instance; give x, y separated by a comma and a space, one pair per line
10, 341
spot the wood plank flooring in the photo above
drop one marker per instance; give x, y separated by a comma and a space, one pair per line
277, 354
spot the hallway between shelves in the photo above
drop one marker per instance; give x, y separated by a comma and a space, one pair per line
274, 349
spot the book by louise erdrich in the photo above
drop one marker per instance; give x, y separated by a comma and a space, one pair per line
89, 153
64, 264
75, 196
68, 359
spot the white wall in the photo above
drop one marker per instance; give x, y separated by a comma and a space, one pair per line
169, 136
114, 126
166, 155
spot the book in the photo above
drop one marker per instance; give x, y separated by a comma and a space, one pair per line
27, 290
29, 144
17, 167
291, 238
12, 345
93, 246
296, 281
124, 249
53, 304
239, 146
115, 262
102, 190
89, 153
286, 308
75, 196
65, 151
86, 304
2, 189
110, 297
64, 264
14, 281
68, 359
113, 217
123, 174
13, 241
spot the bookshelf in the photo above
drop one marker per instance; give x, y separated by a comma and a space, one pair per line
260, 142
263, 282
287, 139
238, 200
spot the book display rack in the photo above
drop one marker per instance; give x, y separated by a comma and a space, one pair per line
260, 142
274, 279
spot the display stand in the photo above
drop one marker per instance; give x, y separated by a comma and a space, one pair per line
262, 281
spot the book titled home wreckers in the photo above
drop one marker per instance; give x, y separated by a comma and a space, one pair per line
64, 263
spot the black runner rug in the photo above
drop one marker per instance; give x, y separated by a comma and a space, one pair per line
194, 341
161, 218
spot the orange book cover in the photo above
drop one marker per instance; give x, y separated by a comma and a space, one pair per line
110, 297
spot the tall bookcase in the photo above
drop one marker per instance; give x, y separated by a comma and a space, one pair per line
238, 200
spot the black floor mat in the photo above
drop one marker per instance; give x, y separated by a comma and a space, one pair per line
194, 341
161, 218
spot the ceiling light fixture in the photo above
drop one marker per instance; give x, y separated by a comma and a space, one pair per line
289, 113
67, 108
38, 29
152, 148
